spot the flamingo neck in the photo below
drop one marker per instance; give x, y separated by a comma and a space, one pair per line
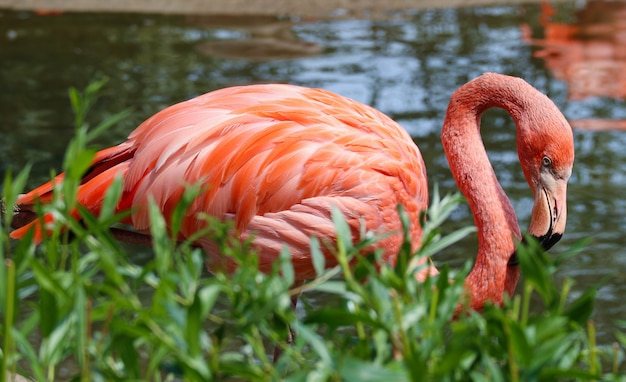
494, 216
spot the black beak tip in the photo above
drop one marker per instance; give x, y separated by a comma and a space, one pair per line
547, 241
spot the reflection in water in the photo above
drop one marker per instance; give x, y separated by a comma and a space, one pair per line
47, 12
589, 55
259, 48
598, 124
261, 38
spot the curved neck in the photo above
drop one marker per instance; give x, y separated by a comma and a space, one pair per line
494, 216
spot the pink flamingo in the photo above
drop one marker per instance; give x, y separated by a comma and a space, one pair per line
276, 159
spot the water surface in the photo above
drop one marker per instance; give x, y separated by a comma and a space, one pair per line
405, 63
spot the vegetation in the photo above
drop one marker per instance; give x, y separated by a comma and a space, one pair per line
78, 308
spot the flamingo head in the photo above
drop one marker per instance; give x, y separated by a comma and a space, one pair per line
547, 157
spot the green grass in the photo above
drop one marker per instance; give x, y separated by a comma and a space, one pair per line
77, 307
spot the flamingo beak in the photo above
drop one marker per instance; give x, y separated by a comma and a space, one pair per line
549, 212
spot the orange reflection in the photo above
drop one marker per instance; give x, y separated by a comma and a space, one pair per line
589, 55
598, 124
264, 38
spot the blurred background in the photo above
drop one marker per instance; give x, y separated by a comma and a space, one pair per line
404, 58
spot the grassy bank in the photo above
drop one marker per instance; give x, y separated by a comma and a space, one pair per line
81, 307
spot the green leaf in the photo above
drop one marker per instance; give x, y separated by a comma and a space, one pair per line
11, 189
76, 103
518, 340
344, 235
581, 309
27, 350
286, 266
536, 267
125, 346
308, 335
336, 287
193, 324
53, 346
111, 199
79, 163
574, 374
46, 280
352, 369
444, 242
82, 310
48, 307
208, 296
107, 123
160, 239
189, 195
319, 261
339, 317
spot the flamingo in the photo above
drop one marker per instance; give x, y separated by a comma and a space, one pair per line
276, 159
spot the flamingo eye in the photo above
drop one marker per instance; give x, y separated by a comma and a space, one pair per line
546, 162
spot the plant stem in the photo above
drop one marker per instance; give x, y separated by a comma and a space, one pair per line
433, 306
528, 290
8, 319
593, 360
513, 367
407, 353
615, 357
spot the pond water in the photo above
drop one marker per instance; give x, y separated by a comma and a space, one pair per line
405, 63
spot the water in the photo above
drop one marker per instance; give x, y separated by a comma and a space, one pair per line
405, 63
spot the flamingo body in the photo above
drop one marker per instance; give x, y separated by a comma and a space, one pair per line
276, 159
